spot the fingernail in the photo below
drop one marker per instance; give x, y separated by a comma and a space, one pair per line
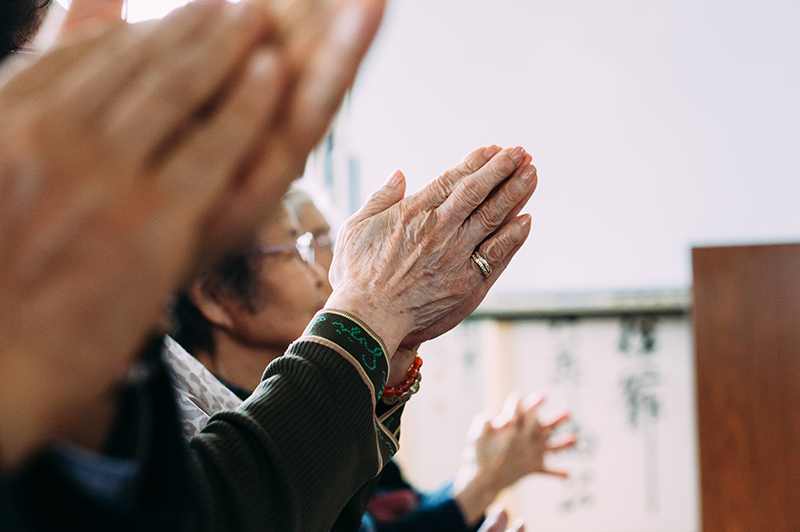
394, 179
528, 174
517, 153
491, 151
525, 220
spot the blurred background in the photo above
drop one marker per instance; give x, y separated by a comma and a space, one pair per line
656, 126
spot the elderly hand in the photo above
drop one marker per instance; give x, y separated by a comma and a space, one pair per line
320, 44
403, 264
323, 43
502, 450
105, 171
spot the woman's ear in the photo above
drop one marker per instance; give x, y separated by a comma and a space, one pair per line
208, 302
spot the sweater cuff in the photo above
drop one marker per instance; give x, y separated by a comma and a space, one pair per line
353, 339
357, 340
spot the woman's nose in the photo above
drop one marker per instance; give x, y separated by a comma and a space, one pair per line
321, 278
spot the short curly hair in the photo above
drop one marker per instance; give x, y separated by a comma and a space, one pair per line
19, 20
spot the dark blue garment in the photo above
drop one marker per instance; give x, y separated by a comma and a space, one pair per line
437, 510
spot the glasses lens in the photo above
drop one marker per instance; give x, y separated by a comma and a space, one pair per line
306, 248
323, 241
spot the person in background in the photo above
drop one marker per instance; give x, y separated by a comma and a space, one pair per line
244, 313
501, 449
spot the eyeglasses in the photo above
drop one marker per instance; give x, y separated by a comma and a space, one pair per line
302, 249
323, 241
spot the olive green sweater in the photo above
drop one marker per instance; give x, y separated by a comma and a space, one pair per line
306, 441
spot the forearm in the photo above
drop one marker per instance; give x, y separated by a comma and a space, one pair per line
473, 499
381, 316
25, 429
38, 407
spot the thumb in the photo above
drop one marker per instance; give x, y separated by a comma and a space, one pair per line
390, 193
83, 12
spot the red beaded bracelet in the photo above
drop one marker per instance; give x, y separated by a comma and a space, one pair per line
410, 386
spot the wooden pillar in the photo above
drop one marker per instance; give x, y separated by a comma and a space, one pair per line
747, 330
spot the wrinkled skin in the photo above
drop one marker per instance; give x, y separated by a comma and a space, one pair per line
403, 263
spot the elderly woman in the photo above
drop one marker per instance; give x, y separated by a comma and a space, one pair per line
243, 314
239, 317
222, 314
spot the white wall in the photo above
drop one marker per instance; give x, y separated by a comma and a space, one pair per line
655, 125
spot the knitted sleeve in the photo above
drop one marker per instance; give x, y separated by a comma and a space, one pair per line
308, 438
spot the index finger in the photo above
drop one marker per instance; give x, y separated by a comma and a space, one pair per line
533, 401
473, 190
564, 416
555, 473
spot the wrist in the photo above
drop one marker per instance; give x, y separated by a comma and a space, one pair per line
402, 391
390, 328
473, 498
401, 362
352, 339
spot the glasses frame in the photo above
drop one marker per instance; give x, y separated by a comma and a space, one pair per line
324, 241
303, 247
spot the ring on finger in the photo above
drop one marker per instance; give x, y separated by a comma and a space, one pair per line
483, 264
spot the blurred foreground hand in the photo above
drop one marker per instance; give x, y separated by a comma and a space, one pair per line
130, 155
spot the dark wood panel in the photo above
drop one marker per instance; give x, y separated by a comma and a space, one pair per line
747, 333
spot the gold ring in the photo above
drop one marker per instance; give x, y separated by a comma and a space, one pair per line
483, 264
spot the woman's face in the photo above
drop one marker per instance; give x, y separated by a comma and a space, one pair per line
289, 290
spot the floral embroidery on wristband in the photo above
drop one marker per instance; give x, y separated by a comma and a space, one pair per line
351, 337
356, 338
